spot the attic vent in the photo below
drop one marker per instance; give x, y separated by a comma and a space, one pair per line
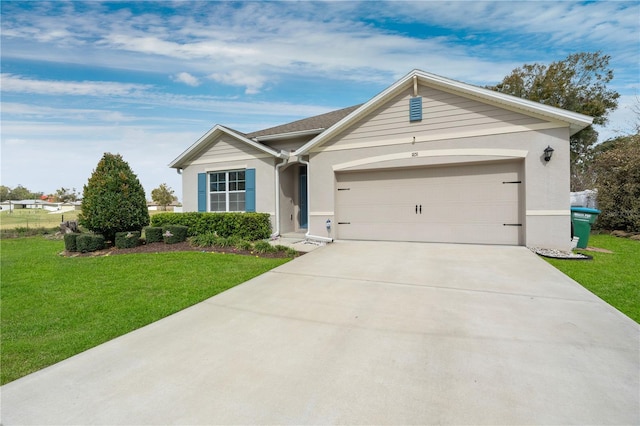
415, 109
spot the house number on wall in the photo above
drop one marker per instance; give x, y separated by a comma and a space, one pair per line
414, 154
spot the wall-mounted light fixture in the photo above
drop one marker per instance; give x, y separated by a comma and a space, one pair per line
548, 153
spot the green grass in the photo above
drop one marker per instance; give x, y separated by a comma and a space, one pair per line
615, 277
34, 218
54, 307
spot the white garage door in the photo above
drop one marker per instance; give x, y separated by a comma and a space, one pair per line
477, 203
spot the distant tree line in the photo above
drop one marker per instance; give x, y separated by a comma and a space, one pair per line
62, 195
18, 193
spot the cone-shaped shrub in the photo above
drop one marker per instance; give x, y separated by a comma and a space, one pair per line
113, 199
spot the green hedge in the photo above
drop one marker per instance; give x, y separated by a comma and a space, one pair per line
89, 242
153, 234
127, 239
248, 226
173, 234
70, 242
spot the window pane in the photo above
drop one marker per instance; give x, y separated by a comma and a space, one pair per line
219, 202
236, 202
219, 190
217, 182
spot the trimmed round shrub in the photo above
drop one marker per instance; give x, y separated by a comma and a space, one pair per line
70, 242
89, 242
173, 234
127, 239
153, 234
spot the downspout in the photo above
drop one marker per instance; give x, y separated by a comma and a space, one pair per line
278, 166
308, 234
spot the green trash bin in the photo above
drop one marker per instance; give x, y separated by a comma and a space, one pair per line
582, 218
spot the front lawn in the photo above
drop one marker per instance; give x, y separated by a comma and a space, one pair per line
54, 307
614, 277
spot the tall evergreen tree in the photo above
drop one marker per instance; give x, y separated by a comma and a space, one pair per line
113, 199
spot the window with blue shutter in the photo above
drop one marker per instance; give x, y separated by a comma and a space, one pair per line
202, 192
250, 194
415, 108
228, 191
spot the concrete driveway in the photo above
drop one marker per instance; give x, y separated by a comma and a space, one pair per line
362, 333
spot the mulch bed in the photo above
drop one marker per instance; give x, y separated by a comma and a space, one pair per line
177, 247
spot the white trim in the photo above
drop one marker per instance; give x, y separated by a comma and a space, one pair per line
509, 153
227, 192
225, 168
448, 136
321, 214
548, 212
211, 134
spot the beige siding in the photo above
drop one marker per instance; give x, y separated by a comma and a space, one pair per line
545, 200
443, 114
226, 148
287, 145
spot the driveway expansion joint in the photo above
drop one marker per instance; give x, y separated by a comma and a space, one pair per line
437, 287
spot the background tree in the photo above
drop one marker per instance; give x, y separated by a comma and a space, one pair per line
113, 199
18, 193
64, 195
5, 192
617, 169
163, 196
577, 83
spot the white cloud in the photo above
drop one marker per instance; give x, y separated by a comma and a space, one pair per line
253, 81
44, 112
186, 78
20, 84
249, 44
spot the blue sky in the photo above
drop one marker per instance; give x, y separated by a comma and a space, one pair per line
147, 79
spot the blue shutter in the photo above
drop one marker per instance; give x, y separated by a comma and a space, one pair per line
415, 109
202, 192
250, 190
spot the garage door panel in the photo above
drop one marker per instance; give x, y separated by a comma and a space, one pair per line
474, 204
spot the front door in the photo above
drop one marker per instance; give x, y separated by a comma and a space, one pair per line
304, 209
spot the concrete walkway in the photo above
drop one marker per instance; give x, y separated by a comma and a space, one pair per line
362, 333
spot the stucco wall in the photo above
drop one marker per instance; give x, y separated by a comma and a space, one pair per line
546, 202
265, 189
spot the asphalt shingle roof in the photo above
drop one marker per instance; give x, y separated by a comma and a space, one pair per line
322, 121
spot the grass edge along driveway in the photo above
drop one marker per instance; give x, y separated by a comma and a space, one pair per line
55, 307
613, 277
